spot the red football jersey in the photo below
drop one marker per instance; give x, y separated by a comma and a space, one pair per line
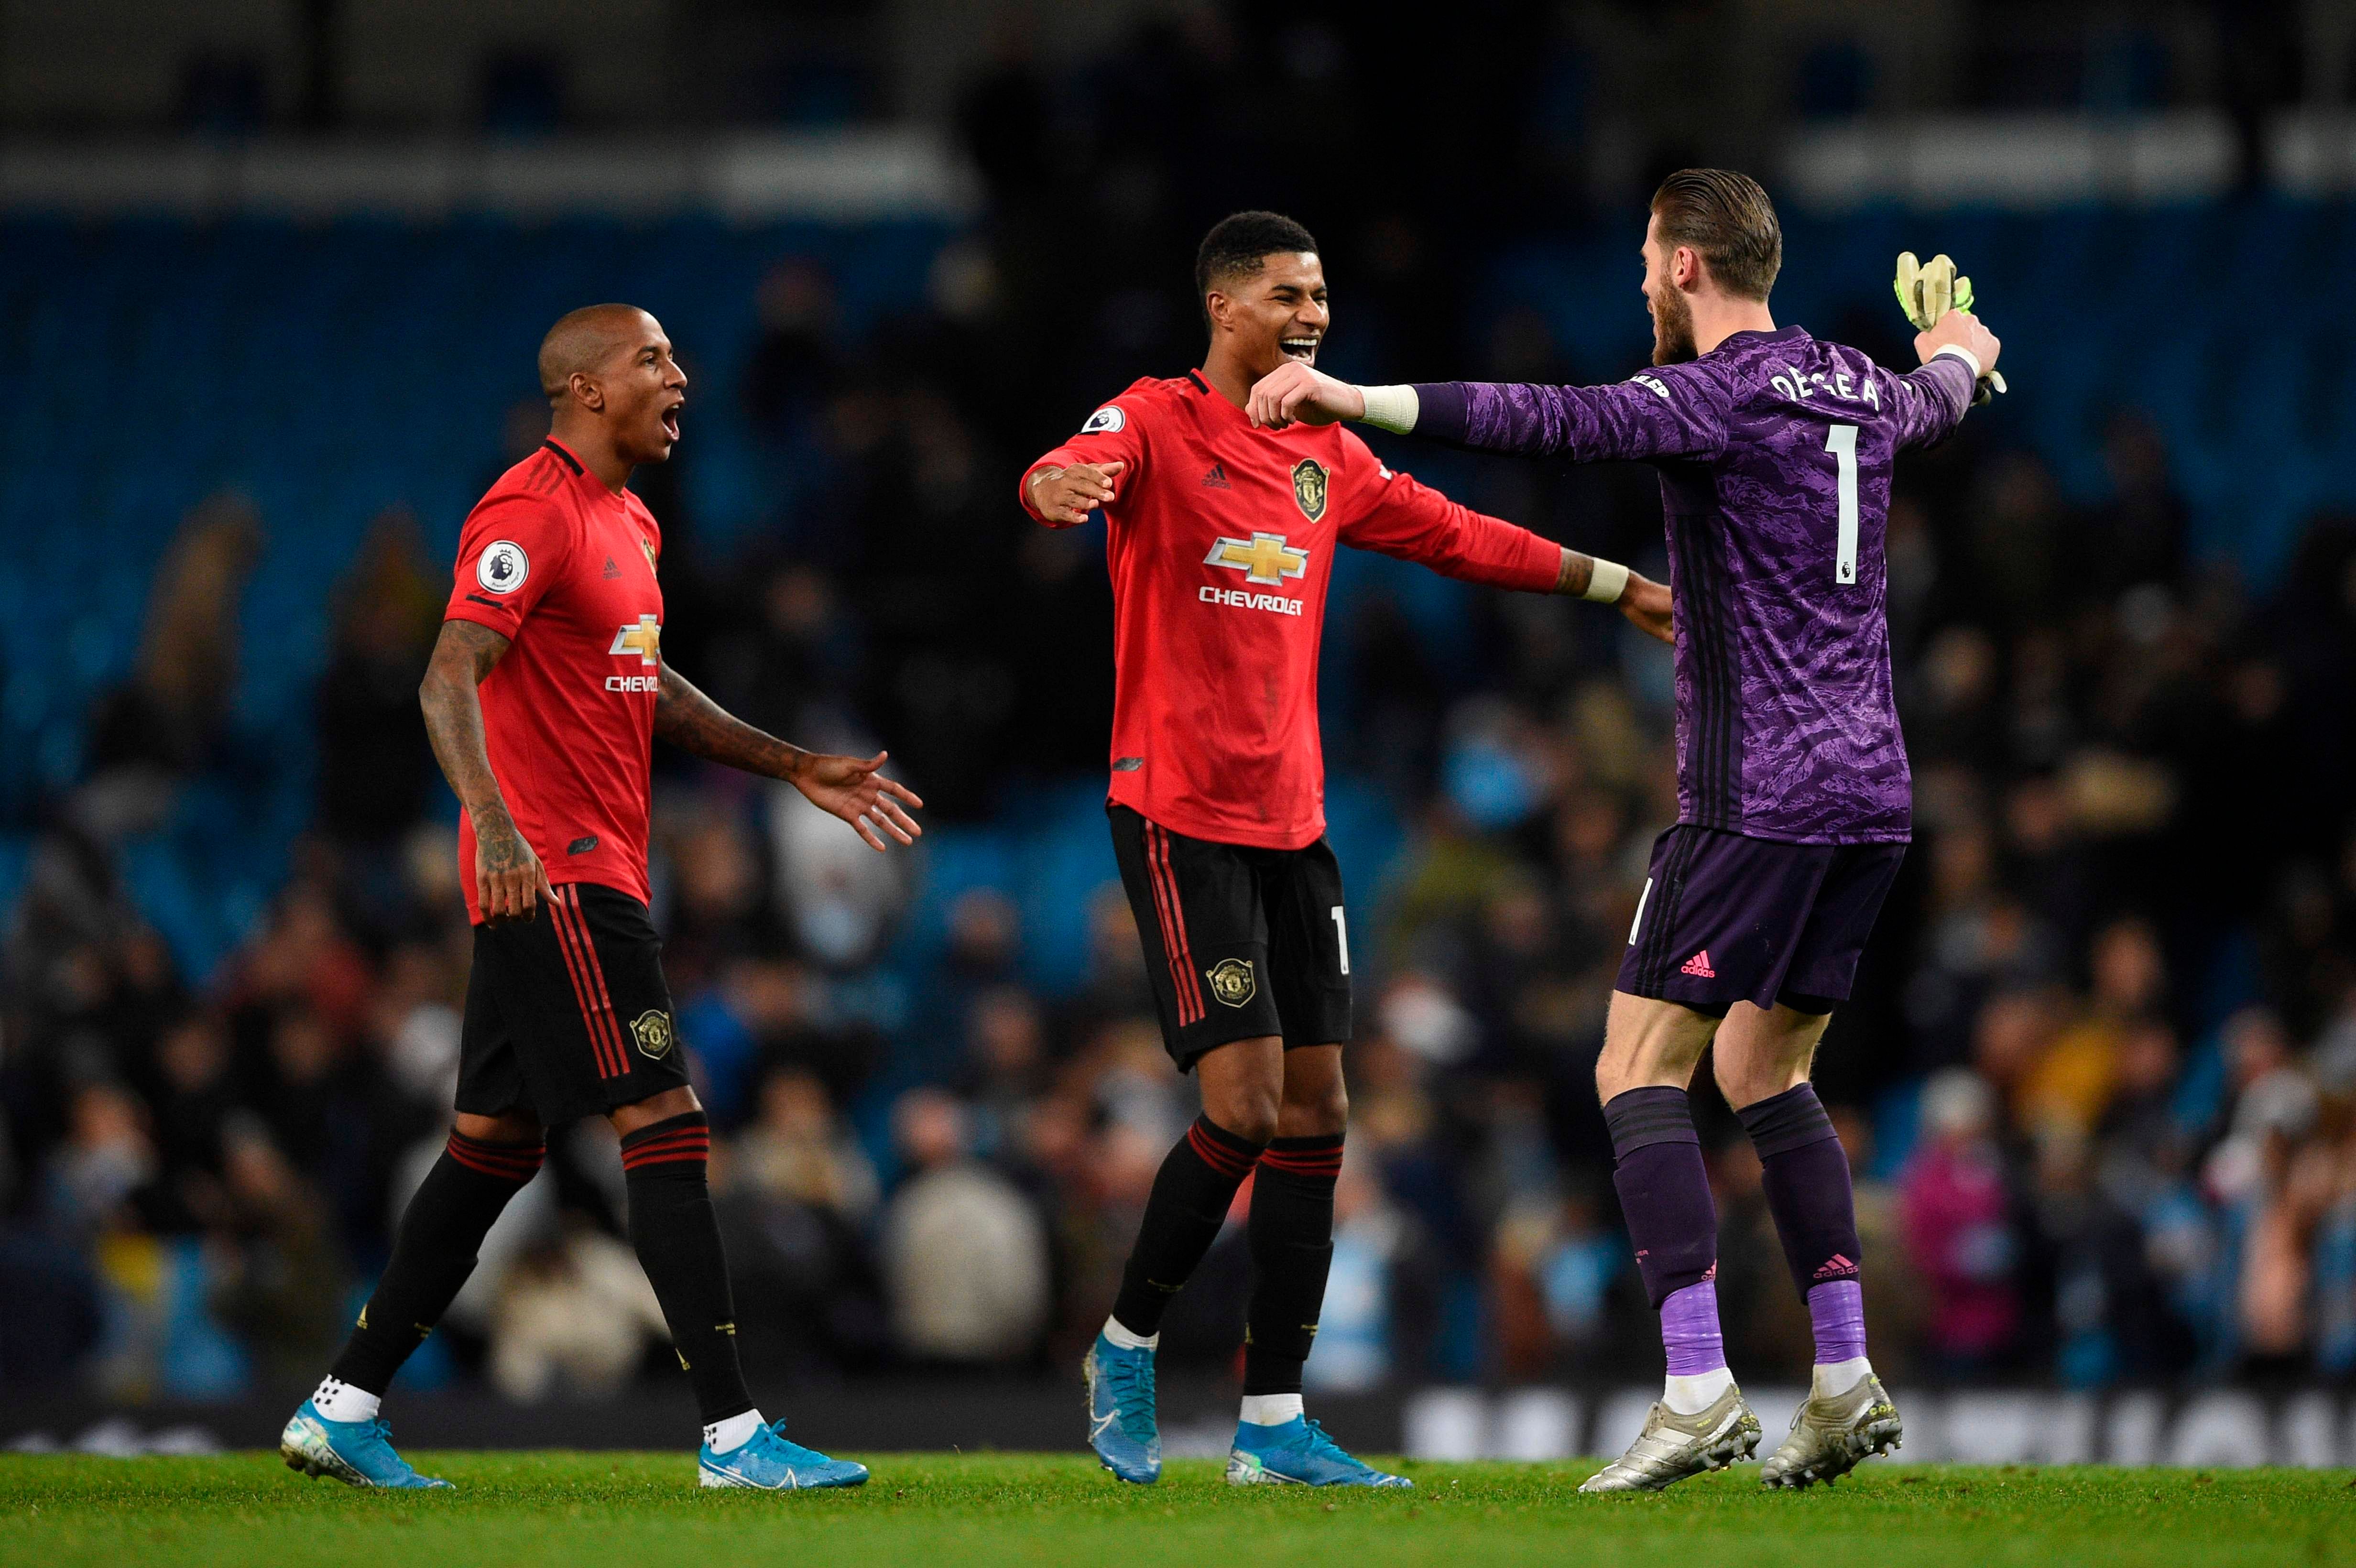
564, 570
1220, 540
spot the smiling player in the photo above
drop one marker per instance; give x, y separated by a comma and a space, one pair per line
1776, 452
1220, 539
545, 692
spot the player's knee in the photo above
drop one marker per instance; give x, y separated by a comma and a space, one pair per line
1250, 1111
1747, 1077
1320, 1111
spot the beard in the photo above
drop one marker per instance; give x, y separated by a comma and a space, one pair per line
1673, 329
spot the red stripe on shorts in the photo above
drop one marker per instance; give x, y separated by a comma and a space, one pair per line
588, 984
1181, 956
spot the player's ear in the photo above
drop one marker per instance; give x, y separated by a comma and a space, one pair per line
587, 392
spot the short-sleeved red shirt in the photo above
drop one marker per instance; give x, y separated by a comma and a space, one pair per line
1220, 541
564, 570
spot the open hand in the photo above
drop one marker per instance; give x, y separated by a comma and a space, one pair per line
1647, 604
852, 788
1067, 496
1297, 391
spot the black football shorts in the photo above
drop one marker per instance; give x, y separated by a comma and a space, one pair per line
1240, 941
567, 1014
1726, 917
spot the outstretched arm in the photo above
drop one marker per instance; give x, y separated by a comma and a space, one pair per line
1674, 411
848, 787
509, 880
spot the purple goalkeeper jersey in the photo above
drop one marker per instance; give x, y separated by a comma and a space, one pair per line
1774, 453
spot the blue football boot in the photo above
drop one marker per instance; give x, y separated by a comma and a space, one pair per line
767, 1463
1121, 1426
1298, 1453
356, 1452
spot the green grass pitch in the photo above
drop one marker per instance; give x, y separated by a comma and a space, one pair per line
516, 1511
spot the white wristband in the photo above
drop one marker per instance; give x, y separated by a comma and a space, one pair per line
1970, 359
1606, 581
1393, 409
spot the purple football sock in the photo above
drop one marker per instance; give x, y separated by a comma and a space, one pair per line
1689, 1330
1805, 1172
1836, 1310
1673, 1224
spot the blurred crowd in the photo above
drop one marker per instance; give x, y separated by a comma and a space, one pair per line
2098, 1083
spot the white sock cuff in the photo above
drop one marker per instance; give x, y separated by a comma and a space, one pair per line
727, 1436
339, 1400
1128, 1340
1832, 1378
1693, 1392
1271, 1409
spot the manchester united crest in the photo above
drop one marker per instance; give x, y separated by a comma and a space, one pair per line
1309, 487
652, 1030
1231, 978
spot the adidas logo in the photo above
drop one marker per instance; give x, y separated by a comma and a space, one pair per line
1217, 479
611, 569
1837, 1267
1699, 965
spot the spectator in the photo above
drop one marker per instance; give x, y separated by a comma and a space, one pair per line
1958, 1228
965, 1257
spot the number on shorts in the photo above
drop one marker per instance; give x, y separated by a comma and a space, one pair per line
1841, 442
1341, 937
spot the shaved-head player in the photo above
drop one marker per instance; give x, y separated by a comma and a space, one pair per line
543, 698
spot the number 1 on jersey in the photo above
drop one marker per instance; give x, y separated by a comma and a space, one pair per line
1341, 937
1841, 442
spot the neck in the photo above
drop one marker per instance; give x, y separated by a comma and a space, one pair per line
595, 451
1717, 317
1227, 374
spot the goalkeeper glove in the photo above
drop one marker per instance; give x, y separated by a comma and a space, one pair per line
1928, 290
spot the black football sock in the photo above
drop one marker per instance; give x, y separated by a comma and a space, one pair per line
1663, 1188
1191, 1195
677, 1241
432, 1253
1804, 1171
1291, 1235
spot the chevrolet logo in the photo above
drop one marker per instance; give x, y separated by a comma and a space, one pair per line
645, 639
1263, 559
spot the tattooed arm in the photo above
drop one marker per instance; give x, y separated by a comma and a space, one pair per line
509, 876
848, 787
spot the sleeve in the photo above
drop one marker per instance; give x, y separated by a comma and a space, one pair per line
511, 551
1675, 411
1926, 405
1394, 515
1114, 434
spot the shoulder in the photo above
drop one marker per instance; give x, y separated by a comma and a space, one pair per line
644, 516
1144, 402
1351, 455
528, 511
1712, 380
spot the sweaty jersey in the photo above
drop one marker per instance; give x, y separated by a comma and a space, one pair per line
1774, 453
564, 570
1220, 541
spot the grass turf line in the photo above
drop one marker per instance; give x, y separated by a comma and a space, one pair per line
523, 1510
